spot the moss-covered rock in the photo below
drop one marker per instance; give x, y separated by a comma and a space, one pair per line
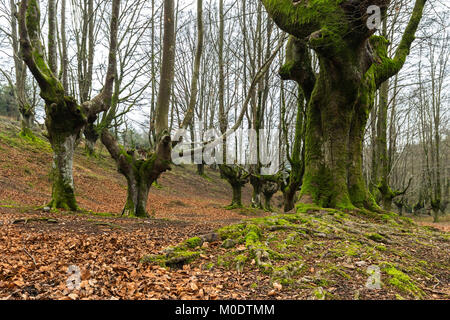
174, 258
194, 242
375, 237
402, 281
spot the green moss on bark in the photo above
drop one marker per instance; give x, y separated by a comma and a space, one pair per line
63, 195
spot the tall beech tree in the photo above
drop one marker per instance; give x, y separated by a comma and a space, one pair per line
235, 175
430, 113
65, 118
353, 65
382, 157
141, 173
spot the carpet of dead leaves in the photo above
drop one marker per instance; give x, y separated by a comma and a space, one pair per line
36, 256
37, 247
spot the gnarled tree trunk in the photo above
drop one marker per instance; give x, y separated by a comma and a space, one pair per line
237, 178
256, 183
269, 188
140, 174
353, 64
65, 118
91, 136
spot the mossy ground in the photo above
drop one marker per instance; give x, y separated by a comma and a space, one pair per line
176, 257
330, 254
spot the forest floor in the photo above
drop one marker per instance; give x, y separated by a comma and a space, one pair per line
250, 254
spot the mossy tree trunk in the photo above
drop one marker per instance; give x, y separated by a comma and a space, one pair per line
91, 136
27, 114
328, 125
268, 185
269, 188
257, 191
140, 174
63, 190
353, 64
237, 178
65, 118
237, 195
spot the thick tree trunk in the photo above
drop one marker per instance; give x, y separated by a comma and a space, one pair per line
237, 178
91, 136
27, 116
353, 65
64, 121
63, 191
399, 205
289, 199
237, 195
137, 196
269, 188
327, 135
201, 169
256, 194
386, 200
359, 194
140, 174
27, 121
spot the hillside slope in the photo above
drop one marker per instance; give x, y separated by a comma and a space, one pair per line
182, 194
